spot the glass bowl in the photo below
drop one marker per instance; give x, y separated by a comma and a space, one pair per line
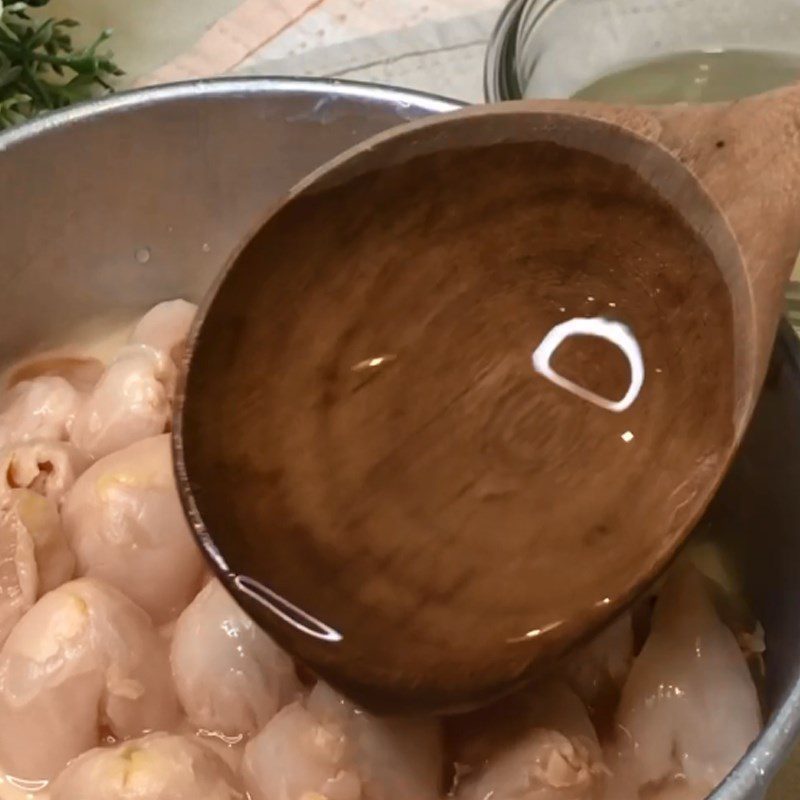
556, 48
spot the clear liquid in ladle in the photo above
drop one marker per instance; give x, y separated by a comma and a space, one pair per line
608, 330
424, 492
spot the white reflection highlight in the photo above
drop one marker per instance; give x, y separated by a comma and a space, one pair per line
614, 332
371, 363
23, 785
535, 633
288, 612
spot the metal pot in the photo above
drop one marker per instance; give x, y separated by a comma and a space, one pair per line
111, 206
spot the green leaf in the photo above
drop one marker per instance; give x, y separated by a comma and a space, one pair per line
40, 68
41, 35
8, 76
19, 29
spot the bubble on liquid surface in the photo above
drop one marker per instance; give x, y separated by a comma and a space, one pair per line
142, 255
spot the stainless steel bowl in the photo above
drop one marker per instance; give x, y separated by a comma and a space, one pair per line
109, 207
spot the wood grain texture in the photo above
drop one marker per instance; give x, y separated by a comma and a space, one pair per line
458, 520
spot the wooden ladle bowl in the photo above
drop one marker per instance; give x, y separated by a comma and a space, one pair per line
468, 388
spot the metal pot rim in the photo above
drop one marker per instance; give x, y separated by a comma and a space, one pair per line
134, 99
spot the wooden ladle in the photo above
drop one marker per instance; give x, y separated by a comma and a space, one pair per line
468, 388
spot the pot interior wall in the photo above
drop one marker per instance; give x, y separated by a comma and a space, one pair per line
110, 212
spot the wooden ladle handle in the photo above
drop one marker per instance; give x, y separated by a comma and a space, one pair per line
747, 155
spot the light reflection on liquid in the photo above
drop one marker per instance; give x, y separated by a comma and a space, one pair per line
288, 612
228, 741
536, 632
612, 331
23, 785
372, 363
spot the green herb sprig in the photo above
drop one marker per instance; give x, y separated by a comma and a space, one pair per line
40, 68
